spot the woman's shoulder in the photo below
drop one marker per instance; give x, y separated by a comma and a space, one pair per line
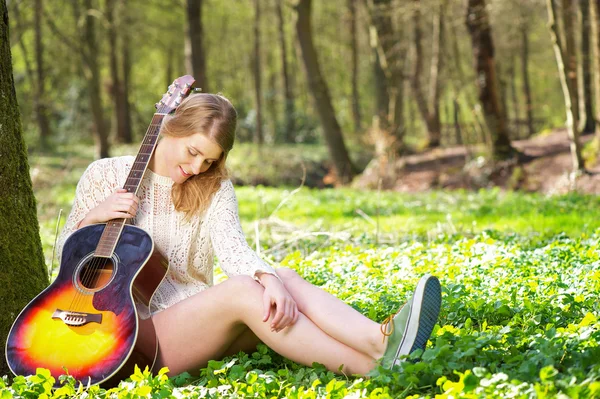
113, 162
225, 193
110, 168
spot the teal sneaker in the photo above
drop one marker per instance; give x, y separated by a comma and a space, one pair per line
409, 329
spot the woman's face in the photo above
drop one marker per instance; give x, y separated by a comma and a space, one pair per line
183, 157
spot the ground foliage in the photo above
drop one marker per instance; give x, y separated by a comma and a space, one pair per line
521, 294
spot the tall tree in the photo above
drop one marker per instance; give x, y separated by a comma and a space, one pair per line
126, 71
123, 135
524, 30
320, 93
22, 270
569, 18
569, 85
429, 104
290, 108
479, 27
352, 8
40, 99
588, 124
195, 56
390, 57
596, 26
258, 132
92, 74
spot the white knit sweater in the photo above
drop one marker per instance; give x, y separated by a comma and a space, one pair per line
190, 247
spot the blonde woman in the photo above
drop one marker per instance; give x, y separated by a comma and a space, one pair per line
187, 204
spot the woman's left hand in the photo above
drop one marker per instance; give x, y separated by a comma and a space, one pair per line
278, 301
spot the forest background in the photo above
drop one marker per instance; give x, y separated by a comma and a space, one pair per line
388, 78
376, 94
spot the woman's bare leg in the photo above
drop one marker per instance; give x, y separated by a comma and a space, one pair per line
245, 342
333, 316
204, 326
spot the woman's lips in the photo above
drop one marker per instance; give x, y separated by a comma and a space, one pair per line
183, 172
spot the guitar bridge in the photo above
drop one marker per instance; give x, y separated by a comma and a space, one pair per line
75, 319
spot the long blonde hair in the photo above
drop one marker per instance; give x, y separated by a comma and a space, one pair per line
215, 117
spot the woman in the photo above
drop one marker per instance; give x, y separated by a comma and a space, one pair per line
188, 205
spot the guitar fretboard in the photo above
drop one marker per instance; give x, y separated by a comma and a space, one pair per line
113, 229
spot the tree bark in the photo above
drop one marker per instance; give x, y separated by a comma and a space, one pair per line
390, 59
479, 27
195, 54
23, 273
588, 125
126, 70
570, 53
512, 75
356, 116
320, 92
40, 95
428, 105
116, 87
258, 131
568, 86
525, 74
92, 74
596, 26
290, 109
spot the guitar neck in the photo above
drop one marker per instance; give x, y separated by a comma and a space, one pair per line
113, 229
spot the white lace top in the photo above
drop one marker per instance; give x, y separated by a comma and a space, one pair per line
190, 247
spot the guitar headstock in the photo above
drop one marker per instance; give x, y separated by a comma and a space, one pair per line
178, 90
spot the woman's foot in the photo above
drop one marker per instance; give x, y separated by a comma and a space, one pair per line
410, 328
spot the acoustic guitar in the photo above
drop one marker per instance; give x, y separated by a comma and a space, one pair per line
86, 322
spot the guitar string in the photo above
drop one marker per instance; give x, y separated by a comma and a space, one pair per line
150, 139
92, 273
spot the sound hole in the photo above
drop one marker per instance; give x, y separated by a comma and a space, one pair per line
96, 273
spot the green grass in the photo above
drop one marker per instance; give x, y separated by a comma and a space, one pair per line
520, 275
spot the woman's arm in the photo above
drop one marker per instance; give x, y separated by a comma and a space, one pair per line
94, 203
236, 257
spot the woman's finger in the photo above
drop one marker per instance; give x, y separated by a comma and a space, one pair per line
278, 316
266, 307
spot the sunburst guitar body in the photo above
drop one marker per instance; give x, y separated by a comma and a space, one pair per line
85, 323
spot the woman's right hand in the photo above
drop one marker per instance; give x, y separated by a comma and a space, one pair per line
120, 204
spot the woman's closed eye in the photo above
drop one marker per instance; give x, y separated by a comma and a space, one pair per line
192, 153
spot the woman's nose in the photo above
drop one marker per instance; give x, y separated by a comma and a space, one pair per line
197, 165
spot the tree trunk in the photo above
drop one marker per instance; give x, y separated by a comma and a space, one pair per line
40, 96
320, 92
116, 87
483, 50
126, 70
258, 132
92, 73
588, 124
512, 76
390, 59
570, 53
352, 5
525, 74
428, 108
195, 56
568, 85
290, 109
23, 273
595, 7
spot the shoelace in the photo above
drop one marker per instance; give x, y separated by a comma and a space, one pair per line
388, 321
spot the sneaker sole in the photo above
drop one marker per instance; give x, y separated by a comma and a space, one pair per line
425, 308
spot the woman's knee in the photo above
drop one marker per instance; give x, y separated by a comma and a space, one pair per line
242, 284
287, 275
